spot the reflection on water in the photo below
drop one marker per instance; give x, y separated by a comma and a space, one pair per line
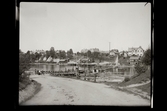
54, 67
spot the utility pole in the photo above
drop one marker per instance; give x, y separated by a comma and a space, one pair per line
109, 47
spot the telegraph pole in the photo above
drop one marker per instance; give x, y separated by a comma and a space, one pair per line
109, 47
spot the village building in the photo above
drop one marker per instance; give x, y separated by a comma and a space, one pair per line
136, 51
94, 50
56, 60
41, 51
121, 52
113, 52
125, 54
104, 52
84, 50
58, 51
44, 59
41, 58
49, 59
134, 60
63, 61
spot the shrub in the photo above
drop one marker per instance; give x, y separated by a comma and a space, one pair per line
140, 68
126, 79
146, 59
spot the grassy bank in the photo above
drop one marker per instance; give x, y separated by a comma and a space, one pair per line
29, 91
137, 79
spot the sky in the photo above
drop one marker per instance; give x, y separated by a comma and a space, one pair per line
80, 26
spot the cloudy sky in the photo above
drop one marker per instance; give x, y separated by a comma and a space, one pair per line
84, 25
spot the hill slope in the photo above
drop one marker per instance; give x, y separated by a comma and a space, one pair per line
139, 79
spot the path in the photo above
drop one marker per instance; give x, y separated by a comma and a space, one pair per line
60, 91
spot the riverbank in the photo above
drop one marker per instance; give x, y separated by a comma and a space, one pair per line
29, 91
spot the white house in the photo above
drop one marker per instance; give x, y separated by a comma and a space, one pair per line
40, 58
125, 54
134, 60
94, 50
112, 53
136, 51
56, 60
44, 59
49, 59
84, 50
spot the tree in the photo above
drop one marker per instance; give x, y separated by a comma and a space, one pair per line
62, 54
78, 53
89, 53
70, 53
37, 55
140, 68
47, 54
96, 54
24, 60
146, 59
52, 52
142, 65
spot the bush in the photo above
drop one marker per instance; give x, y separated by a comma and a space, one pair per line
126, 79
140, 68
24, 79
146, 59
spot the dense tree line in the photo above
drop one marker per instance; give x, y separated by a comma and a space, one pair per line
49, 53
145, 62
24, 60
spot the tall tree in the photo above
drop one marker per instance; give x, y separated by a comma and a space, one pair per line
37, 55
24, 61
47, 54
146, 59
89, 53
70, 53
62, 54
52, 52
78, 53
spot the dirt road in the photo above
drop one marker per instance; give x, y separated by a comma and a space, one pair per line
66, 91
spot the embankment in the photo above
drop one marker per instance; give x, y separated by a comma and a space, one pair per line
29, 91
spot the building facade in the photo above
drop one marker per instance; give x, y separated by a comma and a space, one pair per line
94, 50
84, 50
133, 60
136, 51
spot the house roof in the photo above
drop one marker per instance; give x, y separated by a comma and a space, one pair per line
49, 59
134, 48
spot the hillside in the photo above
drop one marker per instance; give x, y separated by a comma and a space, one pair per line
139, 79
